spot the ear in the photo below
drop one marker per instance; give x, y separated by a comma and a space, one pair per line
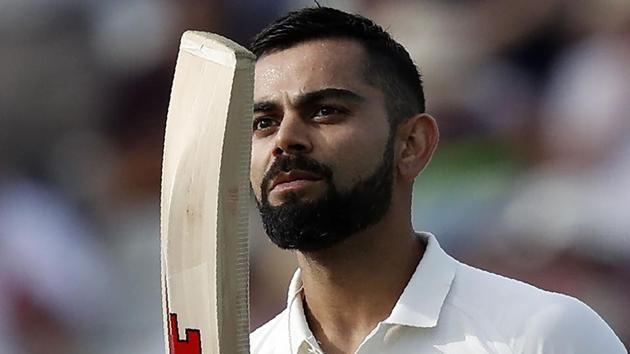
417, 138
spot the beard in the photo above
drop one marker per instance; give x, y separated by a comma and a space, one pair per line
317, 225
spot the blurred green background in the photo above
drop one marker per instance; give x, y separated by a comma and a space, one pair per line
531, 178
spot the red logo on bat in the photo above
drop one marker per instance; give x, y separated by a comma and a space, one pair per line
190, 345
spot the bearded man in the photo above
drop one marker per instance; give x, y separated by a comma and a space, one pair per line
339, 135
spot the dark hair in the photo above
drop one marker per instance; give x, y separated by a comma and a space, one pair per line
389, 65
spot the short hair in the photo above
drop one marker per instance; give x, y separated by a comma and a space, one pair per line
390, 67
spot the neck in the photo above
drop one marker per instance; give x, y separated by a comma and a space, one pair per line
351, 287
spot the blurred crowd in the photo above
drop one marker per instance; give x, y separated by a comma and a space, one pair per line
531, 178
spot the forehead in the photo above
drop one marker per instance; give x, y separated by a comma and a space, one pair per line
310, 66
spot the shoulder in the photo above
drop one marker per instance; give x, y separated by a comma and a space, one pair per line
568, 325
483, 289
563, 324
264, 339
530, 319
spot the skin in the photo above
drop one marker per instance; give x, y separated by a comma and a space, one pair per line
355, 284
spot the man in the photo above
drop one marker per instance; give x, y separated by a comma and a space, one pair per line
339, 134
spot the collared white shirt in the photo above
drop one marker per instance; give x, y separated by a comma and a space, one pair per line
449, 307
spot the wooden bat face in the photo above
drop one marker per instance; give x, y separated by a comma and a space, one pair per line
205, 196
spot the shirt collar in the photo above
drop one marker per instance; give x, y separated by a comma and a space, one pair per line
421, 301
299, 332
418, 306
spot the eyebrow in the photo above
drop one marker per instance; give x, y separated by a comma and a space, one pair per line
310, 98
265, 106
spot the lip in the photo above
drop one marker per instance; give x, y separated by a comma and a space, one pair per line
292, 176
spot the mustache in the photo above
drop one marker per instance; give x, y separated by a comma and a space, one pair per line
287, 163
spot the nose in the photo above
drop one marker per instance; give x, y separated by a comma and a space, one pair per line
292, 136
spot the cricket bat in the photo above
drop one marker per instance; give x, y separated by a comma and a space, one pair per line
205, 196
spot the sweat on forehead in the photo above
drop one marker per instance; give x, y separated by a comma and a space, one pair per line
312, 66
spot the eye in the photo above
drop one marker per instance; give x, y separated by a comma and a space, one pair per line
263, 123
325, 111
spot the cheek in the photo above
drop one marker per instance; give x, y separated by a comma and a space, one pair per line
354, 155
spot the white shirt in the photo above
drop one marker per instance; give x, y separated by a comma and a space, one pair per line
450, 307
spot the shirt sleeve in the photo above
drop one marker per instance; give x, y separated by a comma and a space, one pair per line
568, 326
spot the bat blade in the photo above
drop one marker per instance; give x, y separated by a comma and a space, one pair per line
204, 198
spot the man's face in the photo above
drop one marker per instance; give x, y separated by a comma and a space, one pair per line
321, 155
